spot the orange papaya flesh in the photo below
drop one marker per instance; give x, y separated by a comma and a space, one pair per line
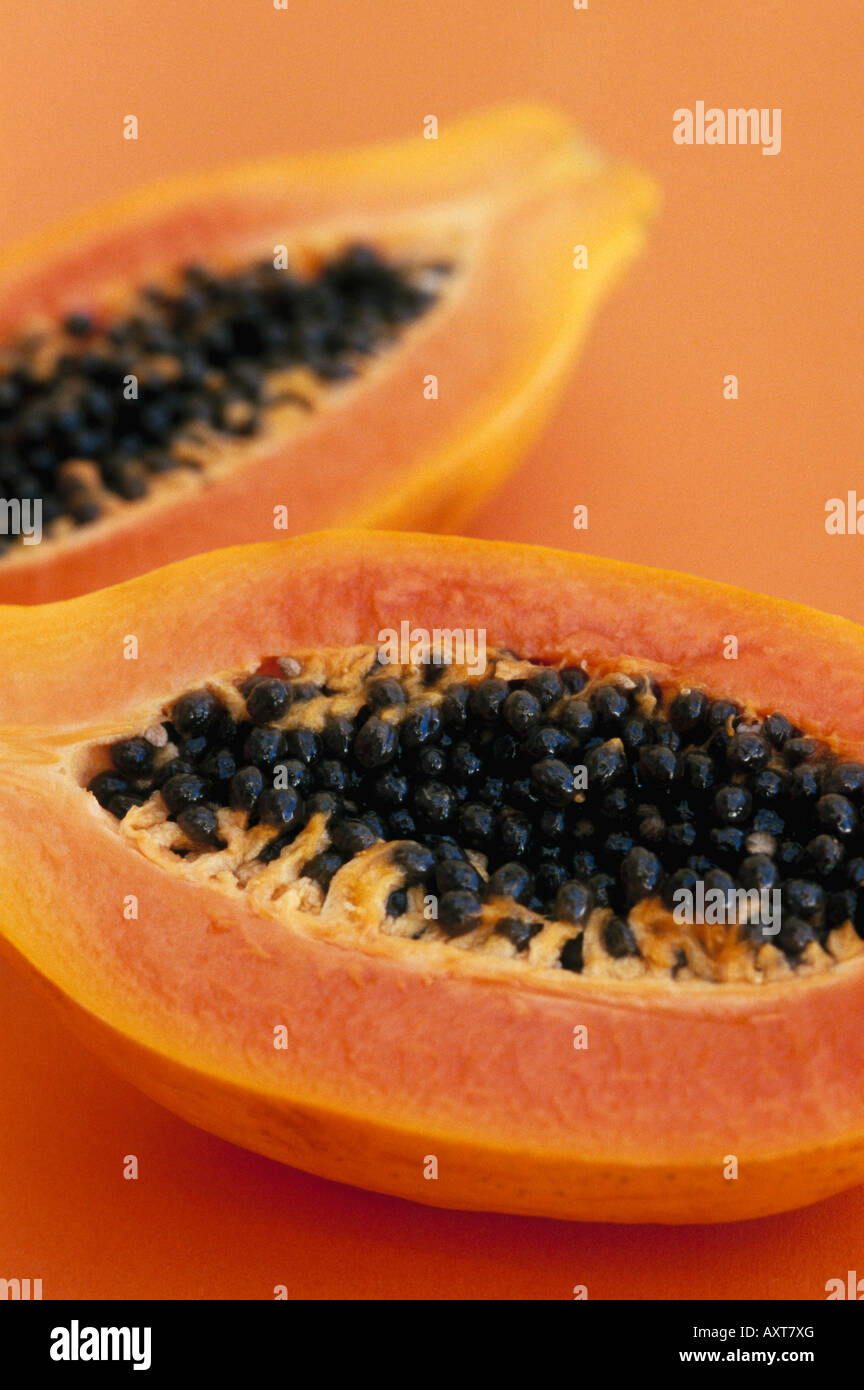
315, 1032
416, 431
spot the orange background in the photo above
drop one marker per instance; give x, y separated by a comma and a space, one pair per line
754, 267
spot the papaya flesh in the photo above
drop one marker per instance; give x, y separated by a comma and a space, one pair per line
586, 1058
368, 338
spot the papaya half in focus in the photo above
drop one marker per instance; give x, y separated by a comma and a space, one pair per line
363, 847
367, 338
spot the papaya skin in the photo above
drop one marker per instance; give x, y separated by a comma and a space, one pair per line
504, 195
398, 1050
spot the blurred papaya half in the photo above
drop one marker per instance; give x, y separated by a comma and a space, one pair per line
368, 337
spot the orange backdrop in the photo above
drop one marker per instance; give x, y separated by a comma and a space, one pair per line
754, 268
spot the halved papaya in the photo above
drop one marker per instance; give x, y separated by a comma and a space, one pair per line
362, 850
370, 337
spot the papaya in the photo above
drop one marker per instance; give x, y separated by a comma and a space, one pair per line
465, 871
368, 338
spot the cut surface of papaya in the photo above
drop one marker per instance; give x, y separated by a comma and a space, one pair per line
370, 337
367, 847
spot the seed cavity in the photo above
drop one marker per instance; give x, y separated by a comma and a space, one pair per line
98, 410
549, 815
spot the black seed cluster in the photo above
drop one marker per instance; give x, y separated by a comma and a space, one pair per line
686, 791
202, 355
